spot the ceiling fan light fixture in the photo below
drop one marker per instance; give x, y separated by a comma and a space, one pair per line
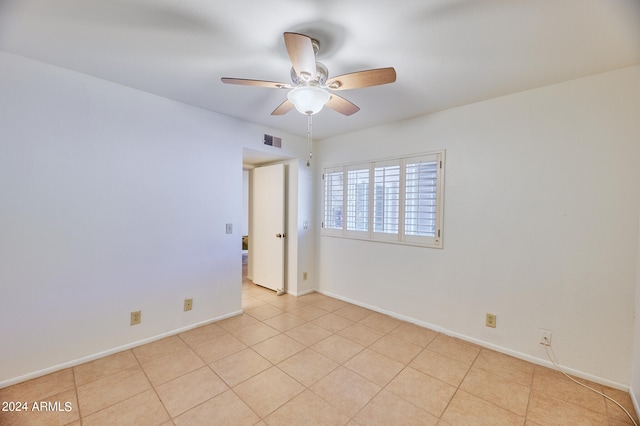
308, 100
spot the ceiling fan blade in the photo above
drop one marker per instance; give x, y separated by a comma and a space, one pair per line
283, 108
341, 105
303, 58
359, 79
256, 83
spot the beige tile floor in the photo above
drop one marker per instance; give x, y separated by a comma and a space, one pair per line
312, 360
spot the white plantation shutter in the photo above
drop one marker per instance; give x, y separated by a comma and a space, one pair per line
421, 199
386, 198
397, 200
333, 199
358, 199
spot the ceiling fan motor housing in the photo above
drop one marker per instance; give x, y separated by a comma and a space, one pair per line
322, 74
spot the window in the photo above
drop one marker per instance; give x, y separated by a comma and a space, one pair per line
397, 200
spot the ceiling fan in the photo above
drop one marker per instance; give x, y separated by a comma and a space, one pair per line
311, 85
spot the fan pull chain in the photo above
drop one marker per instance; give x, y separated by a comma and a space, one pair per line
309, 124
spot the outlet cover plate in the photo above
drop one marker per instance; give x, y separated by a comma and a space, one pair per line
136, 317
491, 320
545, 337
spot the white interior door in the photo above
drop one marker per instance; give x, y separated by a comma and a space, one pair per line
268, 231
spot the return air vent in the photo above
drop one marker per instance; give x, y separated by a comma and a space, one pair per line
272, 141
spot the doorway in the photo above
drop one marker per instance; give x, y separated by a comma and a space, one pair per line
255, 215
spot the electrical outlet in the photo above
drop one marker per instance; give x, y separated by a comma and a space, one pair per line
304, 276
136, 317
545, 337
188, 304
491, 321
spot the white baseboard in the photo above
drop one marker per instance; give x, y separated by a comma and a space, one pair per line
302, 293
111, 351
526, 357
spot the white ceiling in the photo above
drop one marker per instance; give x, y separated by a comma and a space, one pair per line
446, 52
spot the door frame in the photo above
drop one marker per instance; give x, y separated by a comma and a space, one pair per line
290, 258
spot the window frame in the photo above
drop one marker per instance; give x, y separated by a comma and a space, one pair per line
433, 241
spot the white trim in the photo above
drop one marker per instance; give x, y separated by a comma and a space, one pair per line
520, 355
73, 363
301, 293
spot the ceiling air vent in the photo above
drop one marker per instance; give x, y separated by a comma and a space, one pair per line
272, 141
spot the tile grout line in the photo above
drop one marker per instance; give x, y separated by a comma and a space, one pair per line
75, 388
308, 388
112, 374
152, 385
526, 412
283, 333
444, 410
383, 334
352, 418
254, 375
230, 388
273, 365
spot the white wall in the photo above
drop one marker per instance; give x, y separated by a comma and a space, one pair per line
541, 224
111, 200
301, 241
306, 236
